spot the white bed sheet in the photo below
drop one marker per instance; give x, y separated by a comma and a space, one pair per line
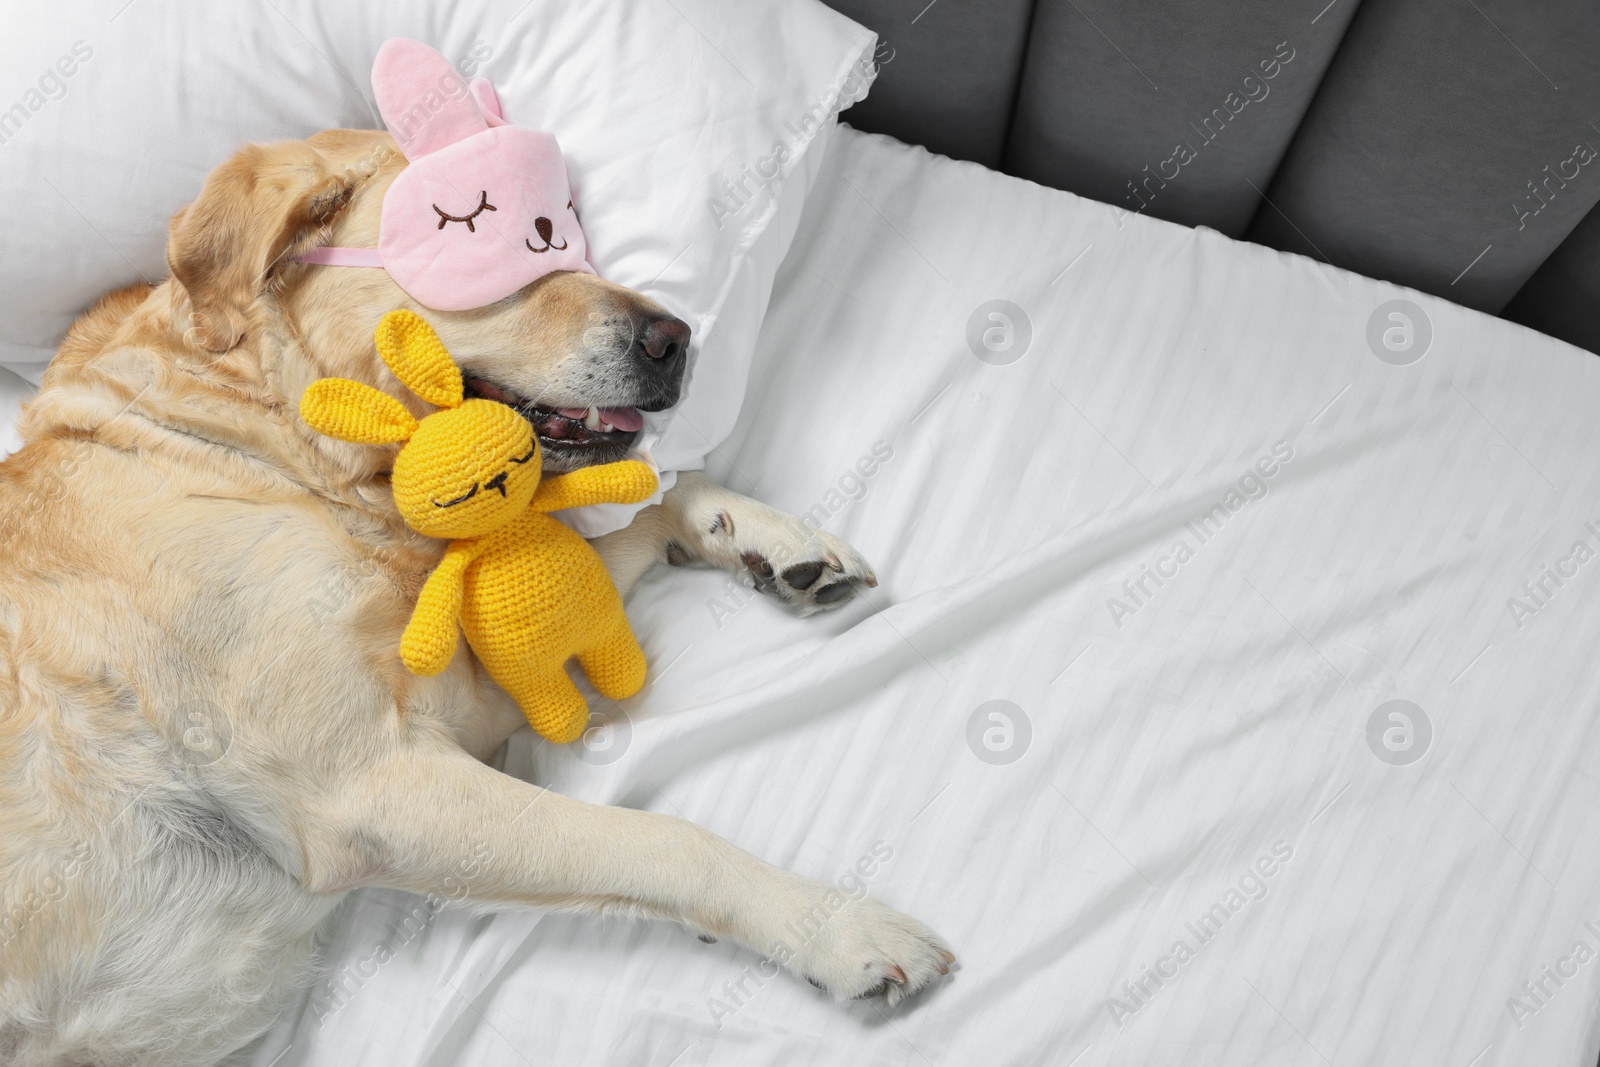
1220, 723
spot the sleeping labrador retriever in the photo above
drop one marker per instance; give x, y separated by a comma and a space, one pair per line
207, 738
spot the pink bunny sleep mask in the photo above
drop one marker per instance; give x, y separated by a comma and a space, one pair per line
481, 209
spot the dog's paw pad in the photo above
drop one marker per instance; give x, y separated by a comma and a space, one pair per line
820, 571
775, 553
804, 575
834, 594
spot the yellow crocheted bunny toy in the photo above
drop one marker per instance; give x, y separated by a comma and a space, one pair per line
528, 592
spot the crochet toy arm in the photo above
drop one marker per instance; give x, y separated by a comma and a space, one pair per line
429, 642
627, 481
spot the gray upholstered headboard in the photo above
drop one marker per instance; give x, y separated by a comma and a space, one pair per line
1450, 145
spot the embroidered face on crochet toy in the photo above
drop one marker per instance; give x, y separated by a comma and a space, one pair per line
482, 208
465, 470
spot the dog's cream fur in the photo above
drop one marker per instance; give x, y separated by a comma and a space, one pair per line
206, 734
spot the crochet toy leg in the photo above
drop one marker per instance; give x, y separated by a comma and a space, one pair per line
553, 705
615, 664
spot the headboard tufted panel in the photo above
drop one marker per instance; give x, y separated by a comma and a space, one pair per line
1178, 111
1431, 129
954, 64
1449, 145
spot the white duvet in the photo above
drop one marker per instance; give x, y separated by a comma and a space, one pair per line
1118, 720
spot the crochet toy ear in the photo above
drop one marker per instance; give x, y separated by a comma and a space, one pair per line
351, 411
424, 102
418, 358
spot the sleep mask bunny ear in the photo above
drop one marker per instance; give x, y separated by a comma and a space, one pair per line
481, 209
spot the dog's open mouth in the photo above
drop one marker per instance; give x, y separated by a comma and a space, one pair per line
577, 426
573, 428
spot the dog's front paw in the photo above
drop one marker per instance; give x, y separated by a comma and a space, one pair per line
772, 550
867, 949
804, 566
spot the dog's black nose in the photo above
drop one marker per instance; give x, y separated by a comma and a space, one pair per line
665, 339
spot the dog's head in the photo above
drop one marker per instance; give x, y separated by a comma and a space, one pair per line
577, 356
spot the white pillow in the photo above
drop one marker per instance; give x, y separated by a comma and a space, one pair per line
684, 124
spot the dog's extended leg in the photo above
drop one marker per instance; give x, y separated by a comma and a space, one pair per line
437, 821
699, 521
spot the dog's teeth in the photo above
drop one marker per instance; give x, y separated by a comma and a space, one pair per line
591, 420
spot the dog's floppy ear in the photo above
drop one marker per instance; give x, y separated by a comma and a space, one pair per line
353, 411
253, 209
418, 358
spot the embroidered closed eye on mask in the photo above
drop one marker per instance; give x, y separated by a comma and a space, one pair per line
481, 209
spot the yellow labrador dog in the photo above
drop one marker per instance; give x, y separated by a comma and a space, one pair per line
206, 735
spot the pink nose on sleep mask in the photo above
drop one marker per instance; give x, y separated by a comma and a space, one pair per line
481, 209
